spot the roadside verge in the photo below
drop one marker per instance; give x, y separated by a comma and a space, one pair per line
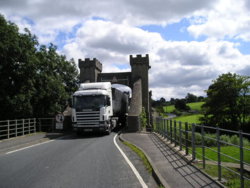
154, 172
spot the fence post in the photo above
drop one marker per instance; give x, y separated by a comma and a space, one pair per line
241, 160
164, 130
193, 142
186, 137
40, 125
203, 147
218, 150
180, 135
23, 126
171, 132
167, 129
34, 120
8, 129
162, 127
16, 127
175, 139
29, 126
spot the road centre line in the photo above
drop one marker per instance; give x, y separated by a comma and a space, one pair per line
143, 184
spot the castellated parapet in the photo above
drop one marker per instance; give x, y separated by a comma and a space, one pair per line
139, 60
89, 70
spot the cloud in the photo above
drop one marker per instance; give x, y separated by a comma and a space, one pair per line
185, 66
228, 19
110, 42
110, 31
52, 17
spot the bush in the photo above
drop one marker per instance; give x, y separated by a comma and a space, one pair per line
234, 140
143, 118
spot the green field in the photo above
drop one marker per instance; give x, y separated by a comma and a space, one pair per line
189, 118
194, 106
233, 179
227, 150
169, 109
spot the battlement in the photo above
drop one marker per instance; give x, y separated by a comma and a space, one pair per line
88, 63
139, 60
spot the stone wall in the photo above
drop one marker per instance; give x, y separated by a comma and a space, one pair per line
139, 70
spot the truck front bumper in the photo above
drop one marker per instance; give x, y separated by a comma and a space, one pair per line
97, 128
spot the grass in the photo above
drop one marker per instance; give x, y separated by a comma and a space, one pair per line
194, 106
141, 155
228, 150
232, 179
169, 109
189, 118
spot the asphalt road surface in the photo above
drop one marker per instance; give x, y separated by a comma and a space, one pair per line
68, 162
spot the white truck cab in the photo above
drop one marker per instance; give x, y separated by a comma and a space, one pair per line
92, 108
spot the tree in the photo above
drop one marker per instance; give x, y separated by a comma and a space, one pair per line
35, 80
191, 98
172, 101
57, 79
228, 104
17, 69
180, 104
162, 101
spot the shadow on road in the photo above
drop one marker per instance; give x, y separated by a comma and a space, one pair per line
192, 175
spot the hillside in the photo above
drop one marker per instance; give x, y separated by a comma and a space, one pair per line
194, 106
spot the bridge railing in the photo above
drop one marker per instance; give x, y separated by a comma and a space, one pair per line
226, 150
17, 127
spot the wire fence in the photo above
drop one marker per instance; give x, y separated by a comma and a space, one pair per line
227, 150
19, 127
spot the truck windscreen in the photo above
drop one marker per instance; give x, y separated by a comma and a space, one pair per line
89, 102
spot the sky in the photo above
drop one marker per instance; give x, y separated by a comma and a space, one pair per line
189, 42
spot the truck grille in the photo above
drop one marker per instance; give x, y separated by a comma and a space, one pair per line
88, 118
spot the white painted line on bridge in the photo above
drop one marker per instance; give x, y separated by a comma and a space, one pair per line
62, 137
143, 184
29, 147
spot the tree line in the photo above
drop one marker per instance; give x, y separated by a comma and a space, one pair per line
226, 105
180, 104
35, 80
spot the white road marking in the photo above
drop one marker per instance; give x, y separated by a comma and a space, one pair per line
28, 147
143, 184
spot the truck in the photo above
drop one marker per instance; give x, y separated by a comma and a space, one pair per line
100, 107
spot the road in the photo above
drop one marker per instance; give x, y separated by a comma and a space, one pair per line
68, 162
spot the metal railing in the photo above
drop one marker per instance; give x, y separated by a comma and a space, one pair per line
17, 127
197, 140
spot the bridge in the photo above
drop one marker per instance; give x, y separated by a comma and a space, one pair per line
137, 80
66, 160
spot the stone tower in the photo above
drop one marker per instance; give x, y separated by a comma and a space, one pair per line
139, 70
89, 70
